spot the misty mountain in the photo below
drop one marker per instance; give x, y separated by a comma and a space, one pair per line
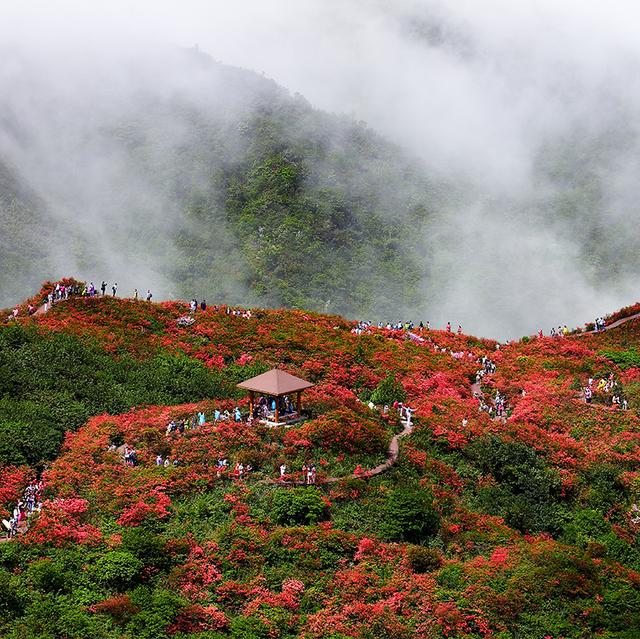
161, 168
189, 177
23, 237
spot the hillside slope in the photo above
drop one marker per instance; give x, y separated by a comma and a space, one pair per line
508, 513
178, 173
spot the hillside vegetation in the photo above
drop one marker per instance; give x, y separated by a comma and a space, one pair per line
209, 180
521, 526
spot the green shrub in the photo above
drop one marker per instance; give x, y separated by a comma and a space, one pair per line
11, 601
388, 391
146, 546
451, 577
423, 559
117, 569
409, 515
48, 576
298, 506
249, 628
158, 609
624, 359
528, 494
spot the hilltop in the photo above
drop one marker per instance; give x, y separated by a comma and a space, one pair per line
509, 511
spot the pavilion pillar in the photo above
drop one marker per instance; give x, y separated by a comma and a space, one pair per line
277, 409
251, 403
299, 403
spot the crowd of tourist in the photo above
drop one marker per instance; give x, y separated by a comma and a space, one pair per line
608, 386
599, 325
488, 367
30, 503
498, 407
365, 326
193, 422
308, 473
63, 291
265, 407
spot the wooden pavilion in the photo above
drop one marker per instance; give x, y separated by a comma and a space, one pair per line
276, 384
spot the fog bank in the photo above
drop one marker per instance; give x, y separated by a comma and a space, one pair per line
527, 110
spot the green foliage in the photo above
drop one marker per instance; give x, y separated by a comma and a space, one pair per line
423, 559
158, 608
48, 576
451, 577
409, 515
117, 569
388, 391
298, 506
602, 487
528, 493
147, 547
11, 601
249, 628
52, 617
53, 383
624, 359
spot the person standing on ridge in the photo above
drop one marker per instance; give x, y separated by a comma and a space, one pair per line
114, 288
448, 327
103, 287
149, 296
135, 294
203, 305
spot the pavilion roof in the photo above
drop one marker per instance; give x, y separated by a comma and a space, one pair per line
275, 382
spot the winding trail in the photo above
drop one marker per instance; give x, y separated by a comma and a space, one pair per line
393, 452
392, 457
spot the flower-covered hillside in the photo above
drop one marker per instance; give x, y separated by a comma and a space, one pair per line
509, 511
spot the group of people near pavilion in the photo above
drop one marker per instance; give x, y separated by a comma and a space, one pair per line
265, 407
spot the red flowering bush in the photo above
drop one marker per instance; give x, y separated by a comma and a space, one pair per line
138, 540
13, 480
60, 523
341, 430
155, 505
